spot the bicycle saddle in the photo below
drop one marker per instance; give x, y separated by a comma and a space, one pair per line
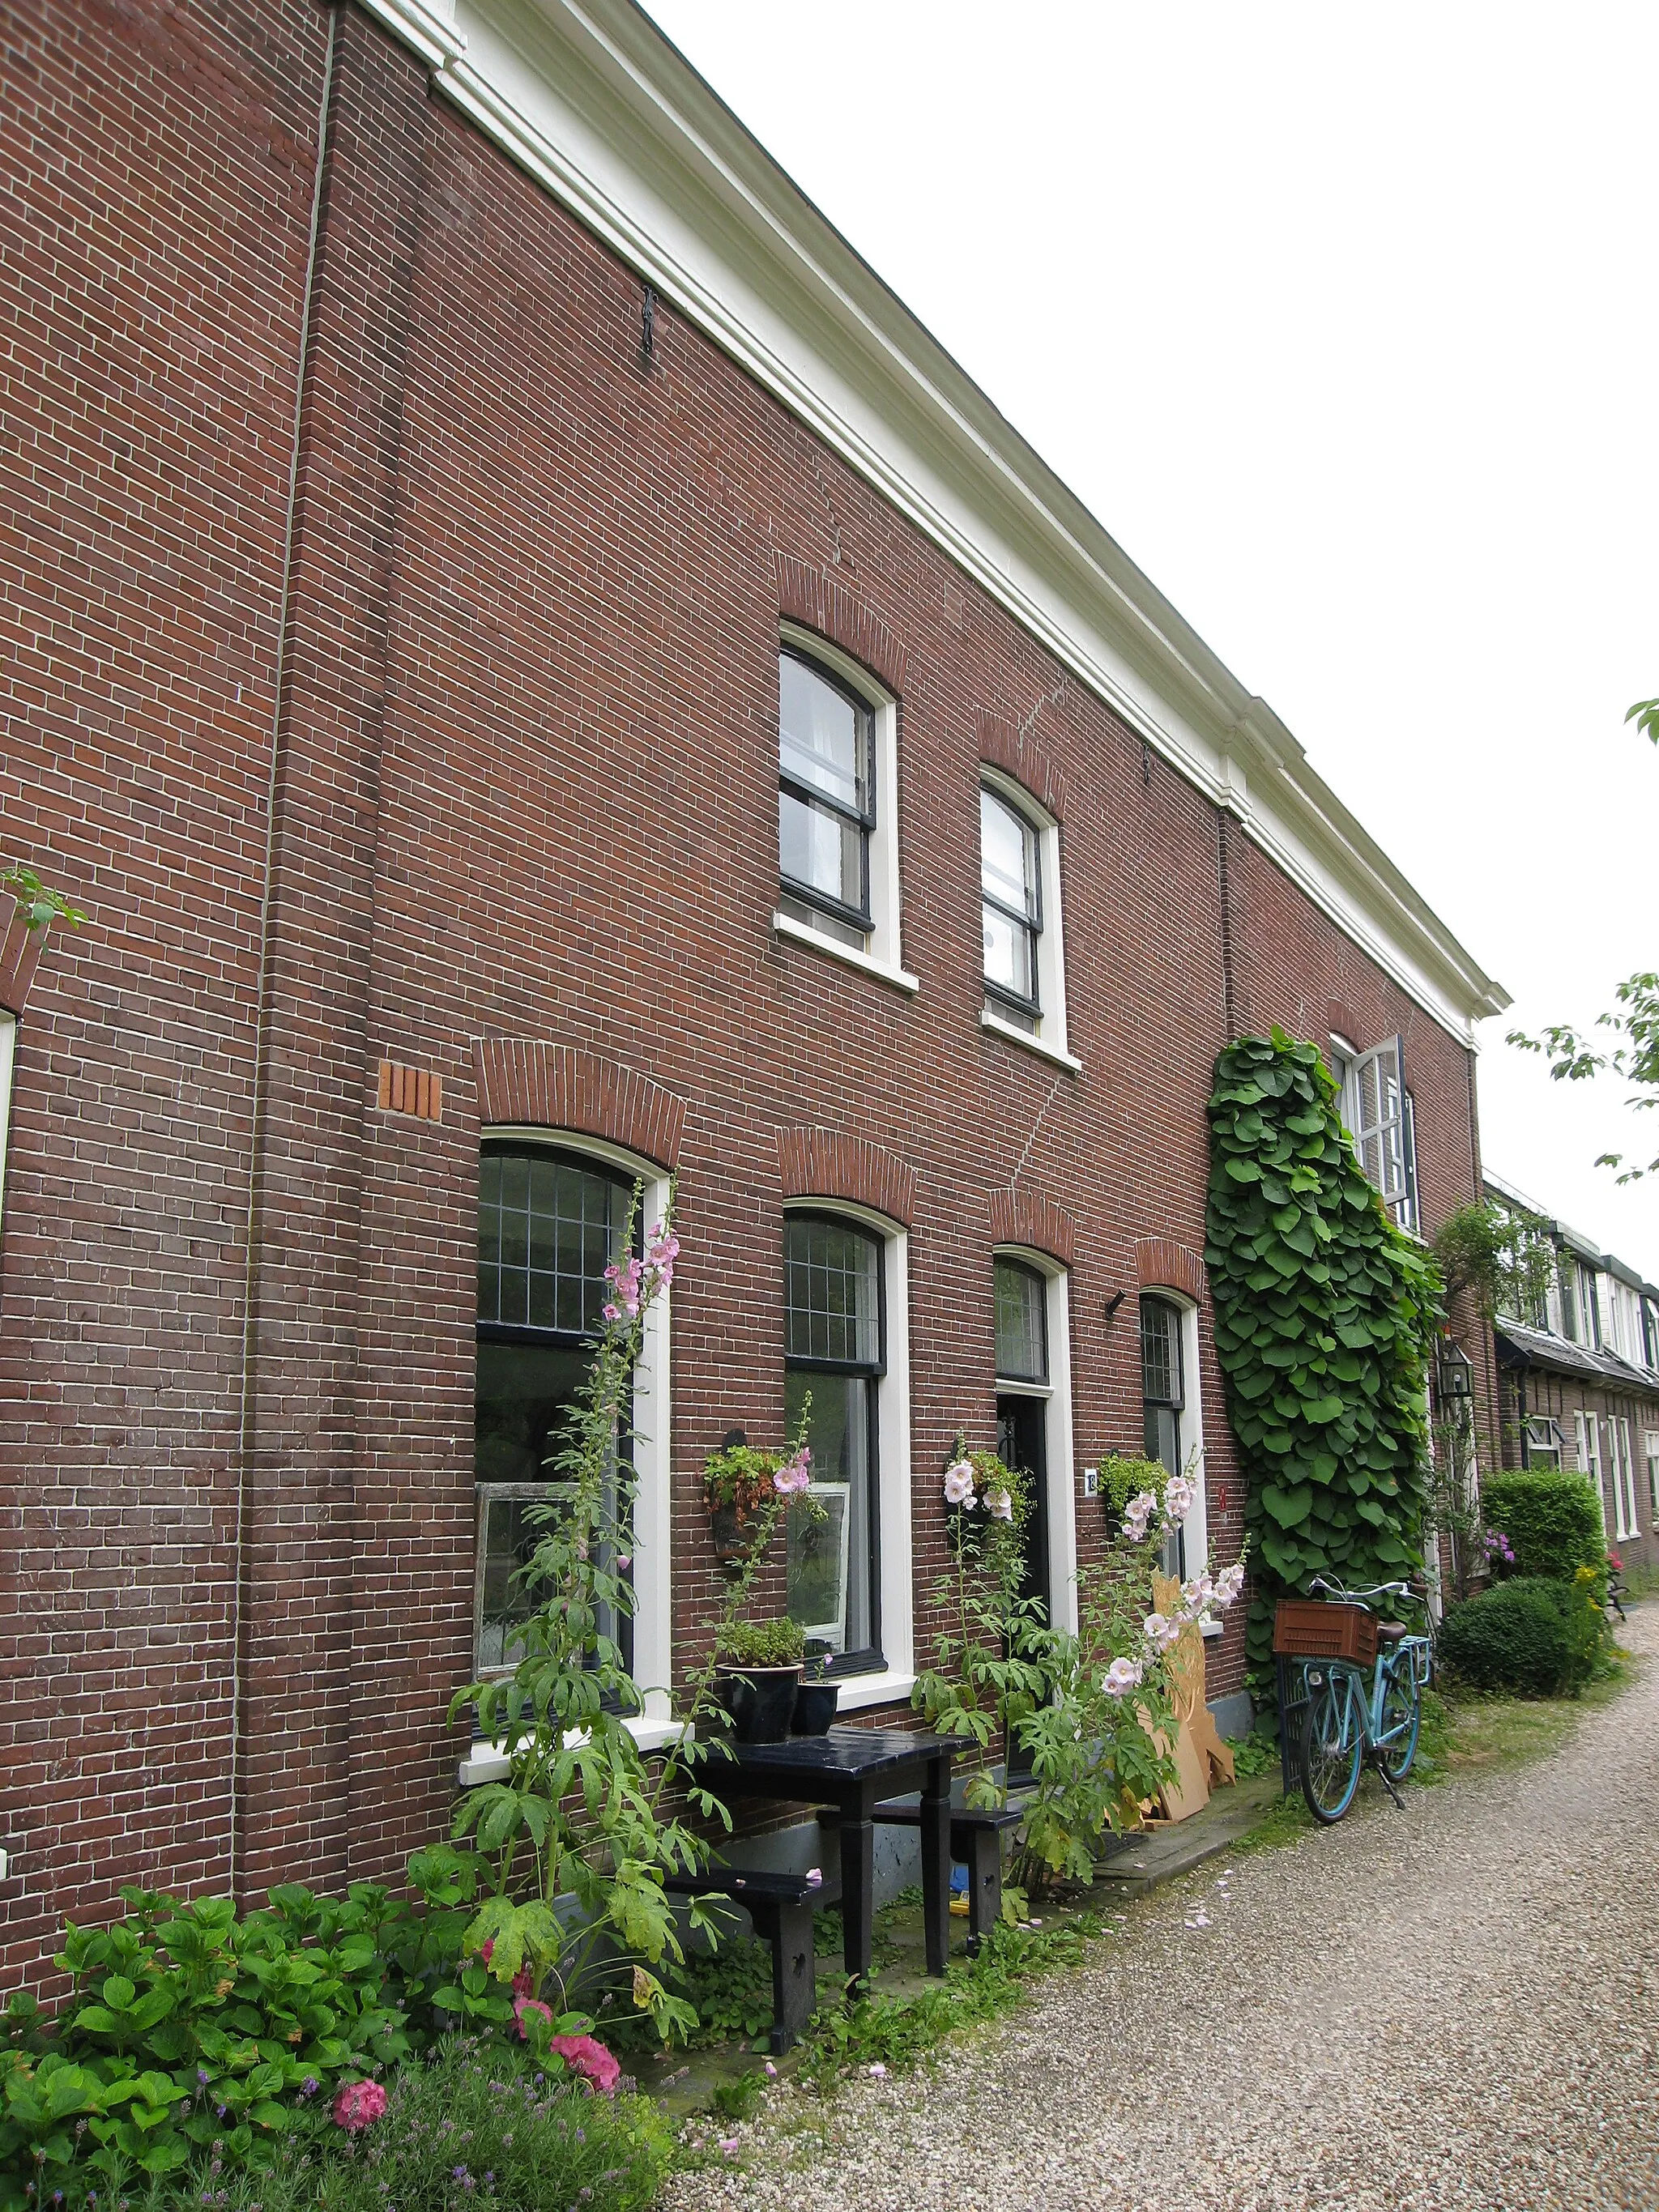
1391, 1631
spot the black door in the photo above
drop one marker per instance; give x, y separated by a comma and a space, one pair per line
1021, 1432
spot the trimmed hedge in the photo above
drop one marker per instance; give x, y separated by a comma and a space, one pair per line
1534, 1635
1553, 1521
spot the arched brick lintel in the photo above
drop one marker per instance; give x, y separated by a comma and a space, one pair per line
20, 953
1164, 1264
1342, 1021
819, 603
1020, 1217
819, 1164
555, 1086
1001, 745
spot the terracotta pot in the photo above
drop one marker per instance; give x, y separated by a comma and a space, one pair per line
761, 1701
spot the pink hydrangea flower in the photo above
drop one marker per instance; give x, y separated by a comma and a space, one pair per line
358, 2105
590, 2059
524, 2004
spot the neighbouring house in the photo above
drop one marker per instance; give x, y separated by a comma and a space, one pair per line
1578, 1378
543, 673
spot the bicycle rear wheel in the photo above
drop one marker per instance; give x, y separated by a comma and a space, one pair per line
1402, 1708
1332, 1745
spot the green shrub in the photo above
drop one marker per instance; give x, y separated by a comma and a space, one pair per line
1541, 1637
1552, 1522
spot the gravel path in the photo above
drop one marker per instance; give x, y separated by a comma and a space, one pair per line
1452, 2005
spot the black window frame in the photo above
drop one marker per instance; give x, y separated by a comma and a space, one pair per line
859, 918
1031, 923
870, 1659
564, 1340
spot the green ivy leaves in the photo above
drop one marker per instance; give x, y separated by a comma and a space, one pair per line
1323, 1316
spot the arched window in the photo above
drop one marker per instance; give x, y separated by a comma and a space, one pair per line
1164, 1402
835, 1349
549, 1223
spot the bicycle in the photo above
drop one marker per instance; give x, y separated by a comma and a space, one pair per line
1344, 1722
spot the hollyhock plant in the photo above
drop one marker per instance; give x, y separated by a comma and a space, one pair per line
1179, 1498
590, 2059
358, 2105
959, 1485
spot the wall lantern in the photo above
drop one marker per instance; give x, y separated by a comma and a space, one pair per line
1455, 1378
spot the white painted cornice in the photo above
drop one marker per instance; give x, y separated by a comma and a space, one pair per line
596, 105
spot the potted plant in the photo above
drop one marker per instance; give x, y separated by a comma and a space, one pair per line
816, 1699
760, 1667
738, 1483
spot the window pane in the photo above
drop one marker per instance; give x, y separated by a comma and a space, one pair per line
832, 1310
840, 1608
1022, 1319
507, 1539
547, 1227
1009, 950
823, 737
523, 1394
1160, 1358
821, 849
1008, 847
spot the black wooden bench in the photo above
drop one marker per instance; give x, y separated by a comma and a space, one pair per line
1617, 1592
782, 1906
976, 1844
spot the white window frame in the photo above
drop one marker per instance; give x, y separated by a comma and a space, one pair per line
1650, 1448
1624, 1477
1551, 1443
1587, 1441
1060, 1475
1191, 1412
1394, 1135
898, 1616
8, 1061
882, 955
654, 1615
1587, 1304
1050, 1036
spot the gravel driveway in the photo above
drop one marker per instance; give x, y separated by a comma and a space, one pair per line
1457, 2005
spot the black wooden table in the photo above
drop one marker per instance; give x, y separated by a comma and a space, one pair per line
849, 1771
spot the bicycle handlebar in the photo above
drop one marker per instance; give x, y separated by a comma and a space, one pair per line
1334, 1588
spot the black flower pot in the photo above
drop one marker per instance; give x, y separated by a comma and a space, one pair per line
815, 1708
761, 1701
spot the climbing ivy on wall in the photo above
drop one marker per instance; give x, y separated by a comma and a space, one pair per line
1324, 1314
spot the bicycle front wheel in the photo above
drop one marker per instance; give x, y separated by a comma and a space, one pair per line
1401, 1724
1332, 1746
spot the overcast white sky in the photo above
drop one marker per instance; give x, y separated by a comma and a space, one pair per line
1343, 321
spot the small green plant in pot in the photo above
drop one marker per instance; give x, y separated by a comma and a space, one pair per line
739, 1482
761, 1665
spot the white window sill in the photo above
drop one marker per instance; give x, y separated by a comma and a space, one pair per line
488, 1762
860, 1692
998, 1027
1211, 1629
900, 978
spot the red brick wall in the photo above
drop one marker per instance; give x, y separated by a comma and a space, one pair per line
526, 790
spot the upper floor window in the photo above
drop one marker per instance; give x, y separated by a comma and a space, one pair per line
1011, 907
1376, 1108
549, 1223
826, 801
834, 1352
1587, 1305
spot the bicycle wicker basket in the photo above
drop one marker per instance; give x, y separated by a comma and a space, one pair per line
1310, 1628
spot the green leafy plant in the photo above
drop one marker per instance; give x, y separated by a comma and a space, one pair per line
1324, 1315
762, 1643
1541, 1637
39, 906
737, 1479
1551, 1520
1501, 1254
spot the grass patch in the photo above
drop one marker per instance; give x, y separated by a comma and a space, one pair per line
1485, 1734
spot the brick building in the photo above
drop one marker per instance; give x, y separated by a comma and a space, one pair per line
1579, 1379
541, 671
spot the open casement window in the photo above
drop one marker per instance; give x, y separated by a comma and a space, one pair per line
1543, 1441
826, 801
1377, 1109
1011, 910
1587, 1306
1650, 1442
550, 1221
835, 1350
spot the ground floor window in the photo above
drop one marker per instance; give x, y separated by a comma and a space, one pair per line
1543, 1441
550, 1221
1622, 1466
1164, 1404
834, 1352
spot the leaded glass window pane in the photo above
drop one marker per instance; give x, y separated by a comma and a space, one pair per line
1160, 1355
832, 1306
1022, 1323
547, 1228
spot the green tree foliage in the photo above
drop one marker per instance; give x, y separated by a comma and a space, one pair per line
1324, 1314
1501, 1254
1551, 1520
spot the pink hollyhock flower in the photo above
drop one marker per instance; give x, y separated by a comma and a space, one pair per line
1136, 1514
794, 1478
1000, 1505
1122, 1676
358, 2105
590, 2059
1161, 1634
815, 1876
1179, 1498
1228, 1582
959, 1485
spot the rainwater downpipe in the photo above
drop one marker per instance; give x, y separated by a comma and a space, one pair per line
261, 1041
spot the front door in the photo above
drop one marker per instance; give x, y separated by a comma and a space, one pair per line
1021, 1432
